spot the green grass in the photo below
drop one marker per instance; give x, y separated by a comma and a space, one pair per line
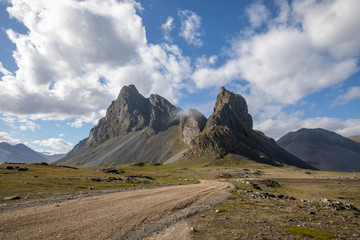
308, 232
43, 181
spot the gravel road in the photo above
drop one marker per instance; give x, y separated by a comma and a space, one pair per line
121, 215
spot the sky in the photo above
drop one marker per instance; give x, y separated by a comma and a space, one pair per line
62, 62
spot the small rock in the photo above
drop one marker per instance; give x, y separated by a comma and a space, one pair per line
96, 179
90, 188
193, 229
36, 176
110, 170
23, 169
312, 213
217, 211
12, 198
26, 183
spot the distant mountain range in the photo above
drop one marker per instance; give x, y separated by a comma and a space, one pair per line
20, 153
323, 149
151, 129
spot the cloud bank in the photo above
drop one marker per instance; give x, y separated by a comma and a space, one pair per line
74, 65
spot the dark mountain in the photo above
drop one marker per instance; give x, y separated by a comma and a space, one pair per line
323, 149
355, 138
134, 129
19, 154
151, 129
229, 130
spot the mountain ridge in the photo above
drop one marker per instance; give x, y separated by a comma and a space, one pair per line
134, 126
19, 153
323, 149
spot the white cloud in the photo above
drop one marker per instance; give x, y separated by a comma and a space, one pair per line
191, 27
61, 135
283, 64
278, 127
55, 143
62, 59
352, 94
22, 123
78, 123
257, 14
4, 71
167, 28
6, 137
332, 26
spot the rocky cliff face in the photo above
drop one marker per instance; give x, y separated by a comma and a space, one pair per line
229, 122
229, 130
230, 111
154, 130
132, 112
194, 124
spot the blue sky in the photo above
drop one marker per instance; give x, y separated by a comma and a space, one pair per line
63, 62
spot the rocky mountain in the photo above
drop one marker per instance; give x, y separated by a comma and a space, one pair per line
355, 138
132, 112
151, 129
229, 129
323, 149
136, 128
19, 154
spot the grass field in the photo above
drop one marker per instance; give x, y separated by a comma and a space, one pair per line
41, 181
243, 216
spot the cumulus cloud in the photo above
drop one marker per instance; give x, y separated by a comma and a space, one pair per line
76, 124
4, 71
332, 26
191, 27
258, 14
283, 62
167, 28
55, 143
279, 126
6, 137
22, 123
352, 94
74, 66
309, 46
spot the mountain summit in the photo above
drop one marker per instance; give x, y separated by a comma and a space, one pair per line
323, 149
229, 129
132, 112
151, 129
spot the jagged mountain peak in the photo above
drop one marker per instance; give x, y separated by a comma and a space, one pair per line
132, 112
231, 111
152, 129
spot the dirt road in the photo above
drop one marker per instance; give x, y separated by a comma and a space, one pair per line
122, 215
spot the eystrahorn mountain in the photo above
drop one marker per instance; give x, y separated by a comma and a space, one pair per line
151, 129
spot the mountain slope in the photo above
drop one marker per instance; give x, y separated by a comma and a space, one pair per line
229, 130
151, 129
323, 149
19, 154
136, 129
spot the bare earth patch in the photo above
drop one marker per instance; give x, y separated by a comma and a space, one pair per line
120, 215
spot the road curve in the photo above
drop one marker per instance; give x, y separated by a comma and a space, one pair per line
108, 216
